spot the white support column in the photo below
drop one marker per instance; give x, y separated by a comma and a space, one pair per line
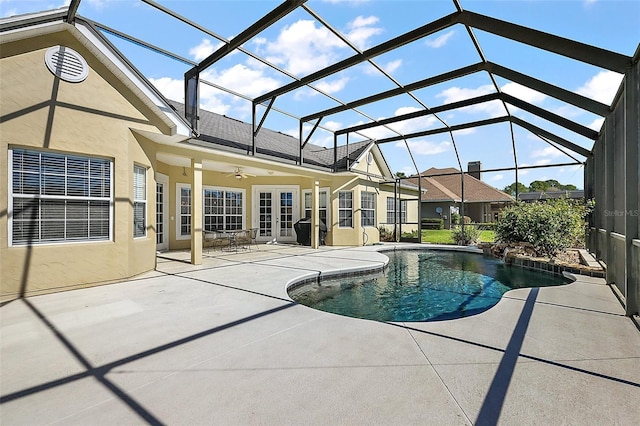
315, 215
196, 212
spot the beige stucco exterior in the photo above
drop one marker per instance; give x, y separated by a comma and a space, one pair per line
106, 116
92, 118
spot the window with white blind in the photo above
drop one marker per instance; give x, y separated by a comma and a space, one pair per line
345, 209
368, 208
58, 197
323, 204
223, 209
183, 198
139, 201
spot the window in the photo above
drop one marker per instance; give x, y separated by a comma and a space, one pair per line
391, 210
368, 208
58, 197
139, 201
323, 203
183, 192
345, 209
223, 209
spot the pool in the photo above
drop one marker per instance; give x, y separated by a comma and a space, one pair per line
422, 285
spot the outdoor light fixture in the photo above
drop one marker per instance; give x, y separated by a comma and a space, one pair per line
184, 171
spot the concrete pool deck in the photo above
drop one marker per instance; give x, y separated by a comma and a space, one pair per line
221, 343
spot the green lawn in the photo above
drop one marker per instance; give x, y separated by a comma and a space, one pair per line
443, 236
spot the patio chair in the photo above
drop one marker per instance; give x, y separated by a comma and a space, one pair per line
215, 239
246, 238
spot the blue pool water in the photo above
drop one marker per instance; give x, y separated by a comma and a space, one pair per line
422, 285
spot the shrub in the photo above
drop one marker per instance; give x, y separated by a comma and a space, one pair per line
413, 234
465, 235
385, 234
432, 223
455, 219
549, 226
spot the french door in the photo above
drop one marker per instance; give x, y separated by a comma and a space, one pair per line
275, 210
162, 210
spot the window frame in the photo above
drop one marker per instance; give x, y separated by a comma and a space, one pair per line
369, 208
225, 207
42, 198
327, 209
403, 210
342, 209
138, 201
179, 187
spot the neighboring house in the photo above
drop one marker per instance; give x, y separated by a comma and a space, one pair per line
99, 171
529, 197
443, 195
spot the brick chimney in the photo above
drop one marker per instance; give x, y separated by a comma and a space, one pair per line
473, 169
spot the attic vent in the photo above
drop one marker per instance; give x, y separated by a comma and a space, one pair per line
66, 63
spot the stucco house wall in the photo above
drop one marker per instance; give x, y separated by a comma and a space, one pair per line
90, 118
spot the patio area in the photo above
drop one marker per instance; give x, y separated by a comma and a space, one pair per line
222, 343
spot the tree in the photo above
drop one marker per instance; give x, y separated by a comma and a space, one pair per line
568, 187
550, 185
511, 189
539, 186
400, 175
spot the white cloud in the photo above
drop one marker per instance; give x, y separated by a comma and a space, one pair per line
440, 40
464, 132
492, 108
602, 87
423, 147
302, 48
391, 66
204, 49
403, 127
497, 177
523, 172
455, 94
242, 79
361, 30
549, 151
305, 46
332, 86
596, 124
522, 92
567, 111
171, 88
332, 125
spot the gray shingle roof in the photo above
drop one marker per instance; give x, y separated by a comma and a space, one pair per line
235, 135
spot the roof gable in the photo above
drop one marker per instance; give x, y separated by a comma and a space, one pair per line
45, 29
446, 185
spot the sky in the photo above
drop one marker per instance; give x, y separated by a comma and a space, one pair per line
299, 44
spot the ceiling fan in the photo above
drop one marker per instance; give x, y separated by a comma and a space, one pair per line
239, 174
